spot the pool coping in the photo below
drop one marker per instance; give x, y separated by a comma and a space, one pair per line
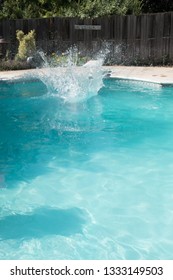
162, 76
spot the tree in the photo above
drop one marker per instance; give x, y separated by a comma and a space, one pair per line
81, 8
20, 9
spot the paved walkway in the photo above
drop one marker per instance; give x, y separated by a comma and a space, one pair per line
160, 75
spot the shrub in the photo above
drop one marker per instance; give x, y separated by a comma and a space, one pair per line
14, 65
27, 45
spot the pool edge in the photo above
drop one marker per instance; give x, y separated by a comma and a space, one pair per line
162, 76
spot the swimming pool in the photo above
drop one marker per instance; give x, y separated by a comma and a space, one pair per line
88, 179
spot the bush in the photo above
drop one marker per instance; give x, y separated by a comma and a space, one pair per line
27, 45
14, 65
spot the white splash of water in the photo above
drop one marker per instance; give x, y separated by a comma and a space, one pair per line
73, 83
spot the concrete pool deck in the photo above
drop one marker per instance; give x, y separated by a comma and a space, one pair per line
158, 75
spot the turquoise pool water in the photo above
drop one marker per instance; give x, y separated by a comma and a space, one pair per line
86, 180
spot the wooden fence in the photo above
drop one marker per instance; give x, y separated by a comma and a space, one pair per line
147, 38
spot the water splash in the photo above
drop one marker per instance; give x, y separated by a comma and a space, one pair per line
70, 82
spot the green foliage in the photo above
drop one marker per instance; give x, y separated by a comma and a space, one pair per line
81, 8
27, 45
20, 9
55, 60
130, 7
96, 8
6, 65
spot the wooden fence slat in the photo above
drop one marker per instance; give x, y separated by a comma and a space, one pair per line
167, 25
171, 40
87, 33
159, 37
131, 34
118, 29
96, 33
144, 38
